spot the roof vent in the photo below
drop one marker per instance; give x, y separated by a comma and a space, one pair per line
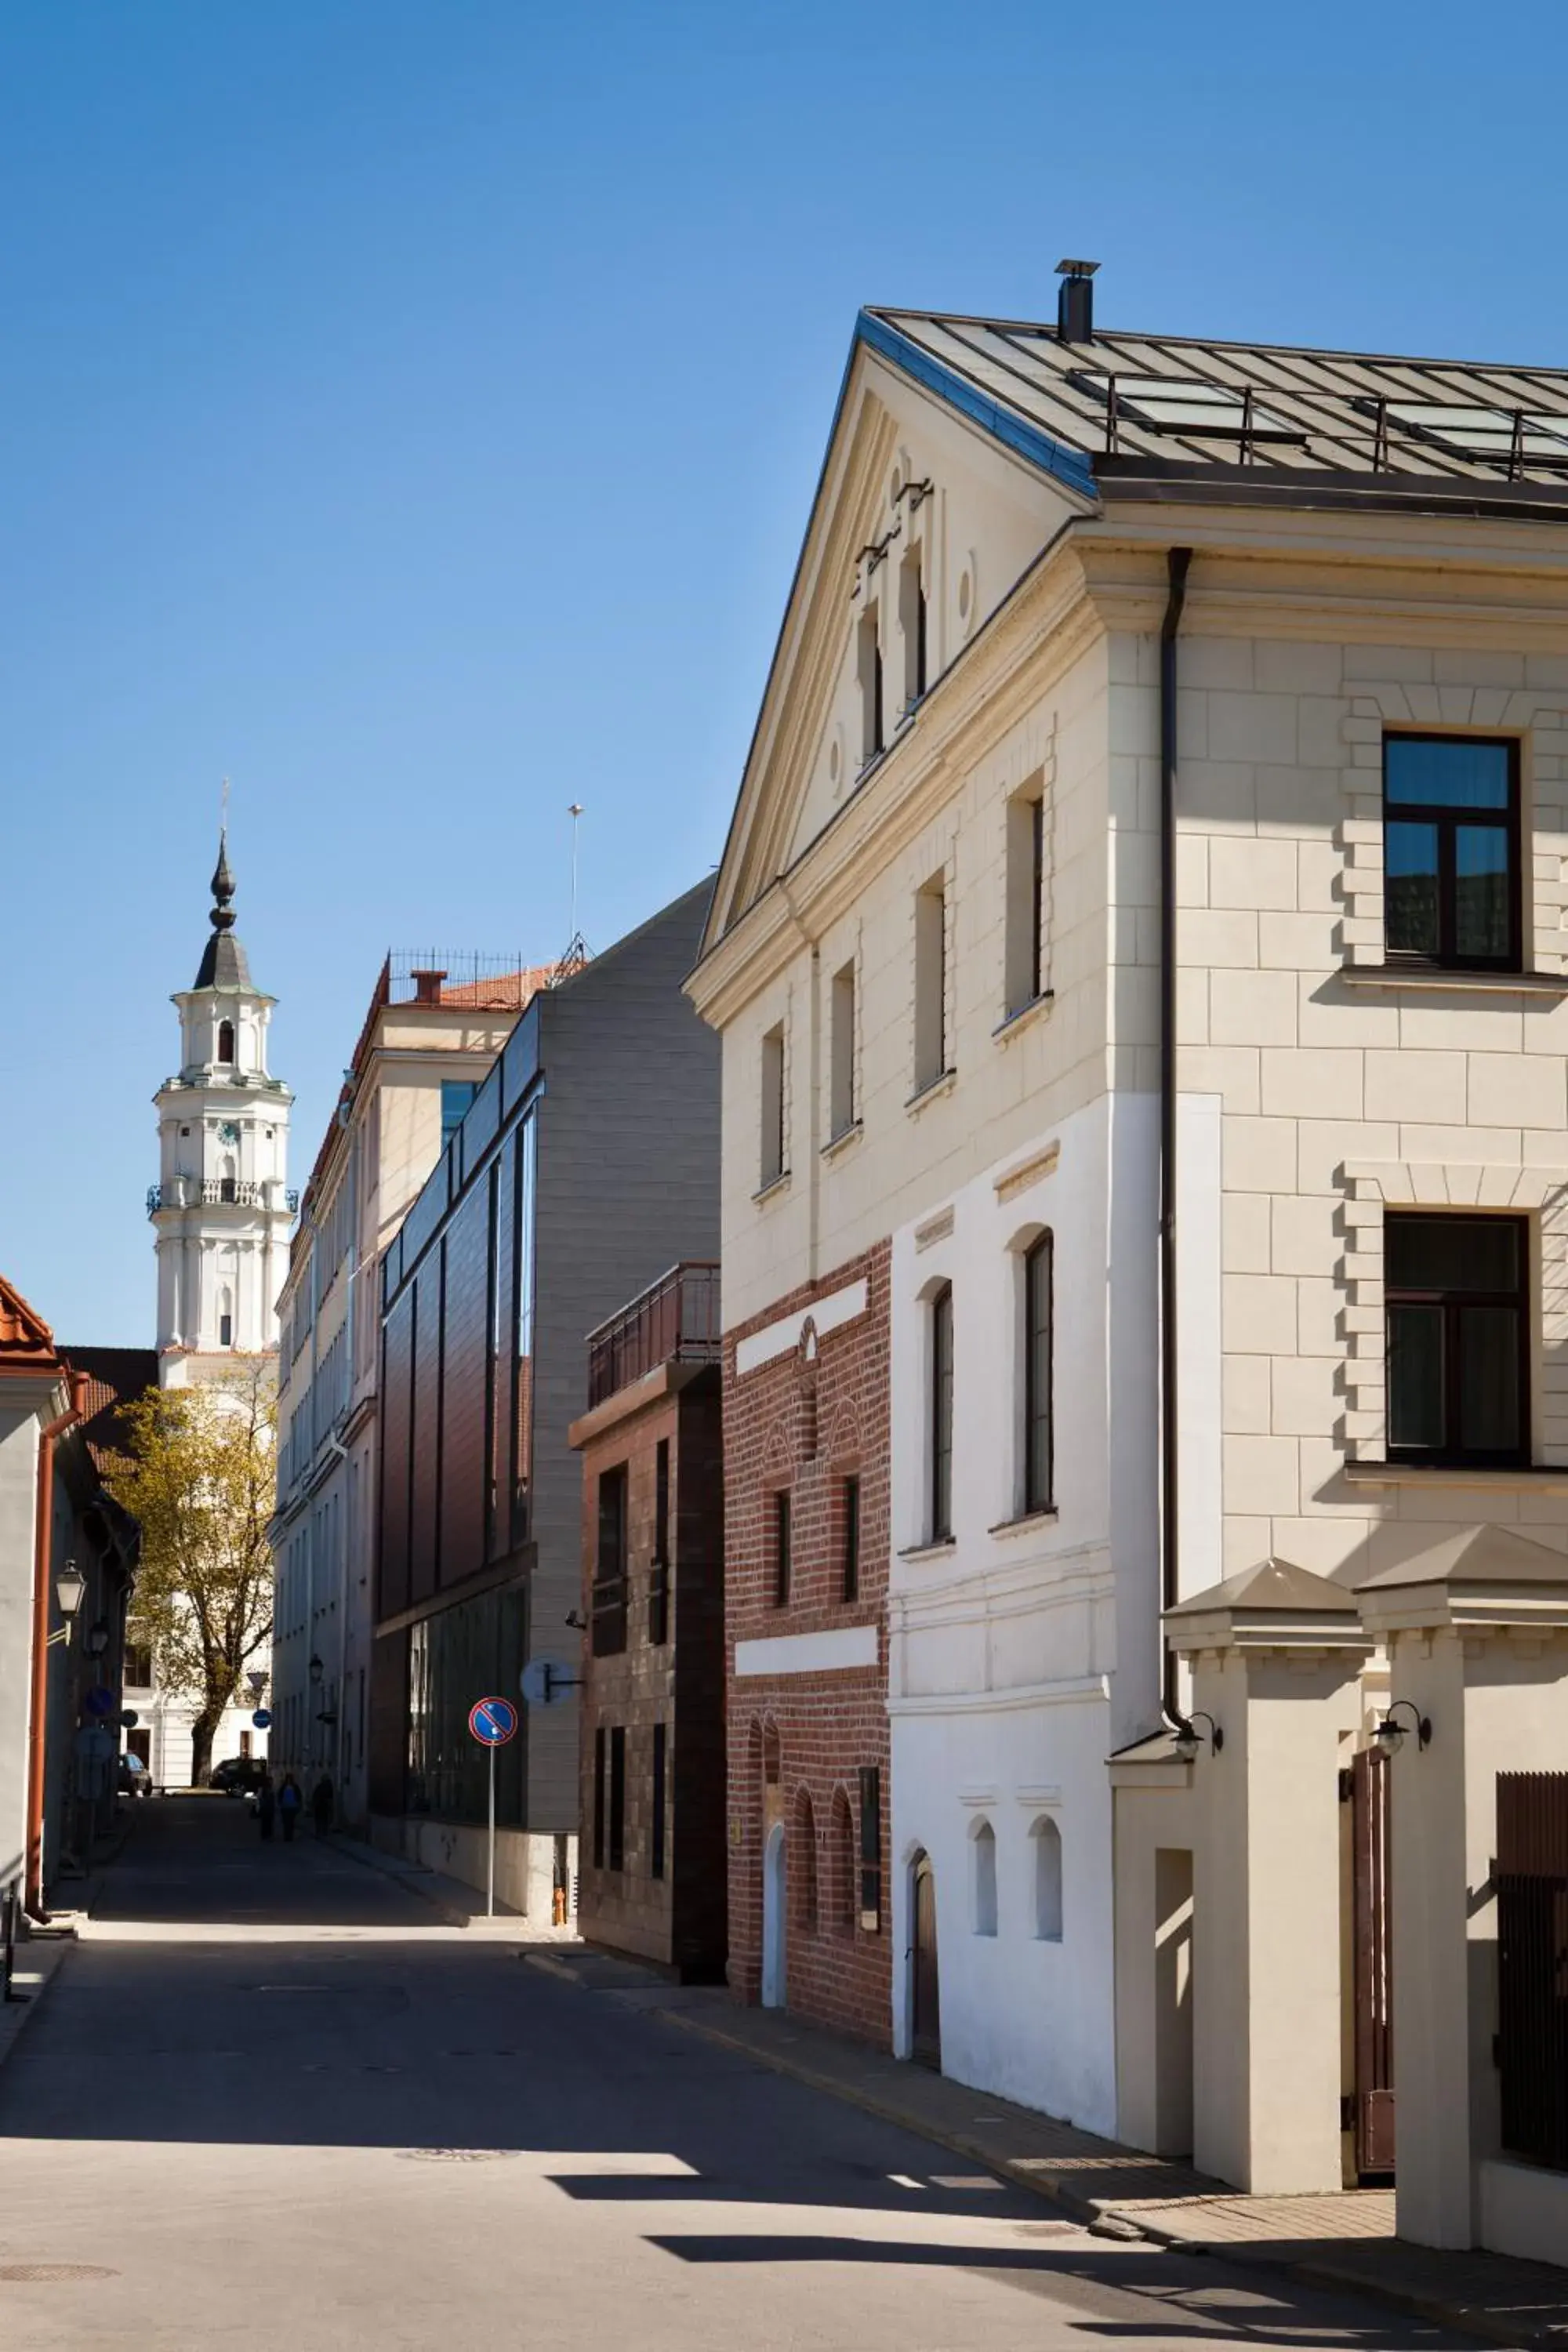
1075, 302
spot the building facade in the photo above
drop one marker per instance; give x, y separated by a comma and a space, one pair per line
1144, 918
430, 1037
588, 1158
652, 1867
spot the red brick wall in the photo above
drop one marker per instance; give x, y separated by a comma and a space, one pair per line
798, 1743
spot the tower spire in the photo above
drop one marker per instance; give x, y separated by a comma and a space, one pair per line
224, 964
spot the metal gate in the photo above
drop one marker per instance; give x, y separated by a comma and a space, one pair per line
1373, 2097
1532, 1964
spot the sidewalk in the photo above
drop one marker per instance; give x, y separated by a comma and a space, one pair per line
460, 1905
1345, 2240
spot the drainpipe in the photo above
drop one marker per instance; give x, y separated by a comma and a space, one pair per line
43, 1526
1178, 560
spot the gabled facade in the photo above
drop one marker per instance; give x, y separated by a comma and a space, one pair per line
1175, 998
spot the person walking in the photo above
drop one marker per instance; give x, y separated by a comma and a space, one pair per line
266, 1806
322, 1804
289, 1801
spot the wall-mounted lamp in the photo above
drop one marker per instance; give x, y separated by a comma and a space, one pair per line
1190, 1739
96, 1639
1390, 1736
316, 1671
71, 1591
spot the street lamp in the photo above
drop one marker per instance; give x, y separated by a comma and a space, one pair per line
96, 1639
1189, 1739
70, 1588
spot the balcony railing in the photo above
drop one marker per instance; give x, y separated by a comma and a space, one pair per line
676, 1320
219, 1192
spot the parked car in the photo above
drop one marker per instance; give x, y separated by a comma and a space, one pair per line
237, 1776
134, 1779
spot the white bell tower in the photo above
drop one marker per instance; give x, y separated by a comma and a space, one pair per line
220, 1209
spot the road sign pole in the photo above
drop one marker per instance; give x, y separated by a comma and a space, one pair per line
490, 1880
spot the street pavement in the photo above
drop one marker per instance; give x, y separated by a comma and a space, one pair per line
273, 2099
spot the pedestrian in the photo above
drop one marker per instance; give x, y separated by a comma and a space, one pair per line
289, 1803
322, 1804
266, 1805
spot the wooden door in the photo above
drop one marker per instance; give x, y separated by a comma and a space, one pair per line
925, 2032
1373, 1967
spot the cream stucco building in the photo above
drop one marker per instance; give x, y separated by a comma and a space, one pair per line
1143, 916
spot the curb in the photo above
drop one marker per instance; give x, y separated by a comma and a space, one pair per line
22, 2013
1110, 2222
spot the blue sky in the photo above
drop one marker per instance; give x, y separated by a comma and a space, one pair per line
410, 410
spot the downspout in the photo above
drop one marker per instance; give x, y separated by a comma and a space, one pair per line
43, 1528
1178, 560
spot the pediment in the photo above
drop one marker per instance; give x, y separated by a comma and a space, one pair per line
908, 479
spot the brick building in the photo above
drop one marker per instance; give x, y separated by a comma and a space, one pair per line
805, 1419
652, 1865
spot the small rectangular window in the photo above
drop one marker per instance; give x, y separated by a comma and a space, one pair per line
842, 1107
782, 1563
617, 1837
225, 1330
1451, 851
869, 665
1024, 947
941, 1467
656, 1852
457, 1094
609, 1598
773, 1162
599, 1798
1038, 1468
870, 1847
912, 626
851, 1500
1458, 1326
931, 984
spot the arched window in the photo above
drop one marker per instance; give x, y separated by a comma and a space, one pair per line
805, 1874
846, 1865
984, 1839
226, 1319
225, 1041
1038, 1465
1047, 1841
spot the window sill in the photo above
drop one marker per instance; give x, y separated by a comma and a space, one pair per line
842, 1140
1024, 1018
1026, 1520
774, 1185
941, 1084
942, 1550
1424, 979
1454, 1474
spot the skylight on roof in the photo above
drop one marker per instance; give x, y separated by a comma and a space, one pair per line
1186, 405
1479, 432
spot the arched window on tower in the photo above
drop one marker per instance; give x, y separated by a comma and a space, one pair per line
225, 1041
226, 1319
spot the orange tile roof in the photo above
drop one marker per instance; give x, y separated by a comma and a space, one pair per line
26, 1342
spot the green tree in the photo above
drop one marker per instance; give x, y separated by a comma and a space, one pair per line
199, 1473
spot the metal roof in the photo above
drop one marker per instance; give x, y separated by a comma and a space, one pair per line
1133, 405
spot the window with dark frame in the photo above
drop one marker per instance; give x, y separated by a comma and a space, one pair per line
656, 1852
1451, 851
1458, 1338
851, 1563
781, 1563
609, 1598
870, 1847
912, 624
1039, 1468
599, 1798
225, 1041
868, 663
658, 1572
941, 1467
617, 1837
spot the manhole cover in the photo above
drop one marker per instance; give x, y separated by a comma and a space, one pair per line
29, 2273
457, 2155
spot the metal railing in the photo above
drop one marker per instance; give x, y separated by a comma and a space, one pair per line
219, 1192
676, 1319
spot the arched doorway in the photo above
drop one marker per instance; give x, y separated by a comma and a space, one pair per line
775, 1918
925, 1989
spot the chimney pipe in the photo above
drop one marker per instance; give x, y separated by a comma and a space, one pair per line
428, 986
1075, 301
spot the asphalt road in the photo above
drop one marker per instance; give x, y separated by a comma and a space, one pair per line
272, 2101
